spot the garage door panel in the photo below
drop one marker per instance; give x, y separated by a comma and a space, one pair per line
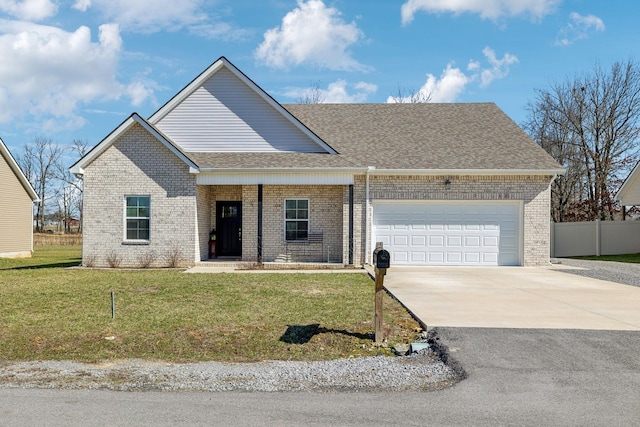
454, 241
472, 258
400, 257
472, 241
446, 233
436, 241
453, 257
418, 241
436, 258
418, 257
490, 241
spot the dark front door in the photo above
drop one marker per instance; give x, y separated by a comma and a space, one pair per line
229, 228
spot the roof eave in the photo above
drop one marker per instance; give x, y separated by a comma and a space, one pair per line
460, 172
281, 170
627, 183
377, 171
18, 172
78, 167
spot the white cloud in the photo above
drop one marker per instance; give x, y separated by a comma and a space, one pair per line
487, 9
148, 16
29, 10
447, 88
311, 34
219, 30
499, 67
579, 27
48, 72
337, 92
453, 81
82, 5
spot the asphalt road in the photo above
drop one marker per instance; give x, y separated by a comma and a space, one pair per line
514, 377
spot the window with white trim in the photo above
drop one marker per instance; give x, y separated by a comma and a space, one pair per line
137, 217
296, 219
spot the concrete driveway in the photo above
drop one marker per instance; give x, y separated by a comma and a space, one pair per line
514, 297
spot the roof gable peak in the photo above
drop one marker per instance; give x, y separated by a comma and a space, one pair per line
194, 90
95, 152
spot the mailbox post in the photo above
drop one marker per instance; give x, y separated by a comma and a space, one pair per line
381, 261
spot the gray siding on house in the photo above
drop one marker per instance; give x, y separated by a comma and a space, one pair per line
16, 214
224, 115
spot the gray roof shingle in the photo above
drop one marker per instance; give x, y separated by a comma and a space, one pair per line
424, 136
402, 136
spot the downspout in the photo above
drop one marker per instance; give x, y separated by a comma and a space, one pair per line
366, 216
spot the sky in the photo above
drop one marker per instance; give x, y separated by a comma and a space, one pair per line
76, 69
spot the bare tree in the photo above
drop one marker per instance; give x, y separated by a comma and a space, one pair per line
402, 96
590, 125
311, 95
70, 195
39, 163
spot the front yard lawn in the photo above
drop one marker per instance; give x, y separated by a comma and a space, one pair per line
630, 258
49, 312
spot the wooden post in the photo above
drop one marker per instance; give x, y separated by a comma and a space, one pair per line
377, 320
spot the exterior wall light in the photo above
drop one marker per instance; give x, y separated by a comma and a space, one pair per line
447, 183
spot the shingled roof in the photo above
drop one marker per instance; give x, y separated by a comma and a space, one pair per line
456, 136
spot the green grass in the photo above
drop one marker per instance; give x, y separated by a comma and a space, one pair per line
629, 258
49, 312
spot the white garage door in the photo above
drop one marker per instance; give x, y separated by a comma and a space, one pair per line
449, 233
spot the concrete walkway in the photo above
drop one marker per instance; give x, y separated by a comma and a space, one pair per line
514, 297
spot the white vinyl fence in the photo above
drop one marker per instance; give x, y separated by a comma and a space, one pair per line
595, 238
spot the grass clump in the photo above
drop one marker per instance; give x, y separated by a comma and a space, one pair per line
54, 313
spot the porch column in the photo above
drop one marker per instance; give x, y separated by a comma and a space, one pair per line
259, 259
351, 224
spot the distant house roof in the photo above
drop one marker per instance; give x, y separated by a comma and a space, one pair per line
4, 152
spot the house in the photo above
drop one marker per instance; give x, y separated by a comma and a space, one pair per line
629, 192
438, 184
16, 197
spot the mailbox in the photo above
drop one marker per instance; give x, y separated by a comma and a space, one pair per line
381, 258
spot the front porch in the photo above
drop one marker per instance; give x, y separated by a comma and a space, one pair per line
264, 225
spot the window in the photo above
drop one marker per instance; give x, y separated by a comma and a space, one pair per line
137, 216
296, 219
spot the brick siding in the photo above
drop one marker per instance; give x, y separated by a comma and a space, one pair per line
533, 191
138, 164
183, 213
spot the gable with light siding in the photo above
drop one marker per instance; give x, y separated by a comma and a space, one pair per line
225, 115
16, 215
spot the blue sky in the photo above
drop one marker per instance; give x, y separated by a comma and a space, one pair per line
75, 69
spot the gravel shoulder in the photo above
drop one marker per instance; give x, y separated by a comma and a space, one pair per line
619, 272
420, 371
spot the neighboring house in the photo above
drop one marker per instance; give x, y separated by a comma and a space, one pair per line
16, 198
454, 184
629, 192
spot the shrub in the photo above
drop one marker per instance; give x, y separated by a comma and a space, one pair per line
113, 259
146, 259
173, 257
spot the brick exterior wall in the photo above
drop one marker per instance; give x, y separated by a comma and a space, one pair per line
327, 206
533, 191
325, 217
138, 164
183, 213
